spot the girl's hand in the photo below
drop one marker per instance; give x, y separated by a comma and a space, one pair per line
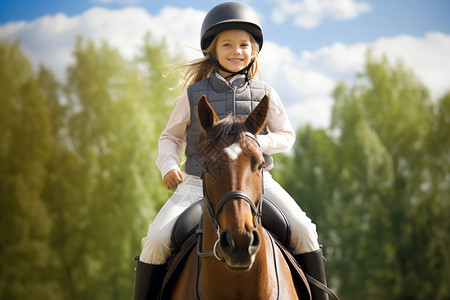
172, 179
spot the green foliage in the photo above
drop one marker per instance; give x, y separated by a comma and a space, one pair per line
25, 256
78, 181
377, 186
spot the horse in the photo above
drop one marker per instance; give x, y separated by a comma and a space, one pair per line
236, 257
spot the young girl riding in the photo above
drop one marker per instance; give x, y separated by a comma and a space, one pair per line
231, 38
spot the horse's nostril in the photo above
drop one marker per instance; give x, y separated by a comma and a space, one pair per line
254, 246
226, 242
248, 243
255, 237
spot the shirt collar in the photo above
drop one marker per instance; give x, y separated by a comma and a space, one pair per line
237, 76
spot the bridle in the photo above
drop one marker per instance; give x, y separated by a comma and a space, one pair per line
214, 212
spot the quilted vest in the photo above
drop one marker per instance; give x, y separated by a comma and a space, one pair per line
238, 99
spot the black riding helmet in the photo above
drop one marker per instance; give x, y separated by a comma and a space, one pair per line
230, 15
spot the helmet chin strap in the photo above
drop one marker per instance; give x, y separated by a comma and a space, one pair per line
244, 71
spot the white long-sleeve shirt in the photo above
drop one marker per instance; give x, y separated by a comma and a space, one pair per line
280, 137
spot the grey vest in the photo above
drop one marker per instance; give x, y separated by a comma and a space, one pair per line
238, 99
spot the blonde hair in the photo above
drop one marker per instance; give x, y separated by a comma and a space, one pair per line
201, 68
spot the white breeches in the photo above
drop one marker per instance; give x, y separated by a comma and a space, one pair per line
157, 244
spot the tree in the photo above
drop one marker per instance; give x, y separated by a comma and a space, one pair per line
26, 260
435, 205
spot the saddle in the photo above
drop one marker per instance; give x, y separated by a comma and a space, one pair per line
273, 219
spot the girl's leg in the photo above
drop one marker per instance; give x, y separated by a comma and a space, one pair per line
150, 266
156, 246
303, 232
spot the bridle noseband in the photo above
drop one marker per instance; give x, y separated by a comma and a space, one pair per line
214, 212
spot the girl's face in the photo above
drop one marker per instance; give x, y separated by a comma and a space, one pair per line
234, 50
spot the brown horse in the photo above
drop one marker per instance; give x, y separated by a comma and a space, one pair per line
237, 258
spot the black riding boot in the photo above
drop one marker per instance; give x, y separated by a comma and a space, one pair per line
148, 280
312, 264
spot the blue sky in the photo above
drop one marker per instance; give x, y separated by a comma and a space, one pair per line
386, 18
310, 45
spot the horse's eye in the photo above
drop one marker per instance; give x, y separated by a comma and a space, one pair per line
205, 168
257, 164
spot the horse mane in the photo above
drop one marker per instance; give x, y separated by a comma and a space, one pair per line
228, 131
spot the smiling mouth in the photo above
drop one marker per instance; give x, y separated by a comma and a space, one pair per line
235, 60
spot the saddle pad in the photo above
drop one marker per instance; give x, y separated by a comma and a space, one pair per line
175, 265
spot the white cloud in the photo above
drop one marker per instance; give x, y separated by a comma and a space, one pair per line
304, 80
428, 57
181, 27
336, 60
304, 89
309, 13
50, 39
313, 111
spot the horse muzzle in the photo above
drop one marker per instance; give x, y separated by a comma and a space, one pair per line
239, 249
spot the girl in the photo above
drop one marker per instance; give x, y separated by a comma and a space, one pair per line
231, 38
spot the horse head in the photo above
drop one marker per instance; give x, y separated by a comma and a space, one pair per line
233, 181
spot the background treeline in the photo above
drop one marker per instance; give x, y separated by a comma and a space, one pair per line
78, 183
377, 184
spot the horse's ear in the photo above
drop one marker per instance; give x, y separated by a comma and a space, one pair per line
257, 118
206, 115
